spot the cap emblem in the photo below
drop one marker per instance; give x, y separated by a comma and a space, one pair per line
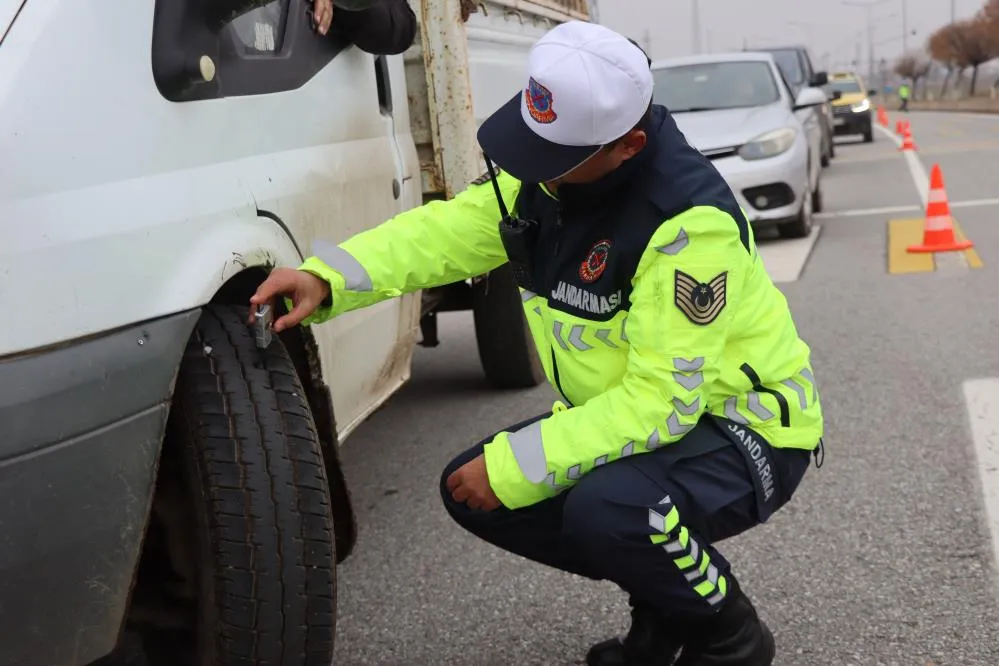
539, 103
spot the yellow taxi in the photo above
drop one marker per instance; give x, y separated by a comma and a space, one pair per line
851, 105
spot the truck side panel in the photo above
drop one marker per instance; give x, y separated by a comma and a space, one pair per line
463, 71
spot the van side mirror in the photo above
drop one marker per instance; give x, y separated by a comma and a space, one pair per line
836, 94
222, 12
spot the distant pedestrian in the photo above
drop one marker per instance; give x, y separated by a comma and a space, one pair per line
903, 96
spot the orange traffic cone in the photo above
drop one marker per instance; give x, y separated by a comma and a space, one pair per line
882, 116
938, 229
907, 142
899, 127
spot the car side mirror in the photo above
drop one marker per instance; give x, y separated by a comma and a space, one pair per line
809, 97
836, 94
820, 79
872, 92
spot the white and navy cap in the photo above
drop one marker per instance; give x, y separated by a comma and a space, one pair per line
586, 87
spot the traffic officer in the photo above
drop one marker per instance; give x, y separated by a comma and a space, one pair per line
688, 408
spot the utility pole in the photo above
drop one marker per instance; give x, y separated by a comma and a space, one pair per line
869, 6
905, 26
696, 20
647, 42
953, 11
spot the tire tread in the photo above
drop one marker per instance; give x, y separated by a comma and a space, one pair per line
259, 474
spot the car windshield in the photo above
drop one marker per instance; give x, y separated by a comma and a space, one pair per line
716, 85
845, 86
790, 66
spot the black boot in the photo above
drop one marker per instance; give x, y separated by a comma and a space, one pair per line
735, 636
648, 642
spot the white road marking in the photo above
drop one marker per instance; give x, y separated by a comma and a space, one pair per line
975, 202
982, 399
891, 210
785, 259
864, 212
920, 178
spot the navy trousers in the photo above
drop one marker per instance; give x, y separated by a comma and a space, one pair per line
648, 522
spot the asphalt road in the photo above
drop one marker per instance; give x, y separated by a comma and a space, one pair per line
883, 557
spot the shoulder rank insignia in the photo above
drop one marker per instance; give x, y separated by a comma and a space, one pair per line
700, 302
484, 178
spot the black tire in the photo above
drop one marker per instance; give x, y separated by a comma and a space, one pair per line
506, 349
869, 135
818, 201
826, 158
802, 225
253, 470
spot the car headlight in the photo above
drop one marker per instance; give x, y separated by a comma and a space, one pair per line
863, 106
770, 144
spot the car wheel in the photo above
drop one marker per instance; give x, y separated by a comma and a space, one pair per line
801, 226
817, 201
827, 151
869, 135
506, 348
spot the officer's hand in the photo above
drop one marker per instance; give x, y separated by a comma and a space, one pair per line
322, 14
470, 484
305, 290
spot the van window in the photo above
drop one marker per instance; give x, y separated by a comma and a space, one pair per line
262, 30
246, 47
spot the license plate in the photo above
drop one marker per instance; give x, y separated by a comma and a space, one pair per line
839, 121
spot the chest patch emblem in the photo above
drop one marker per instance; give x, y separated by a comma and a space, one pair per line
700, 302
596, 261
539, 103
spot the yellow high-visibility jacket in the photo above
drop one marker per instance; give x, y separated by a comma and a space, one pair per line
648, 314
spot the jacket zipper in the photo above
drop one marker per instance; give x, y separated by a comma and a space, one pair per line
558, 235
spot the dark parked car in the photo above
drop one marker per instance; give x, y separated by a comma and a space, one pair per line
796, 65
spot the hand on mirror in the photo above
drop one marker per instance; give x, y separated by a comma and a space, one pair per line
322, 15
305, 290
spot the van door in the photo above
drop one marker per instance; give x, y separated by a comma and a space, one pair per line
308, 122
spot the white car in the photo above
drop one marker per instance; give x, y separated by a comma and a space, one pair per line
738, 111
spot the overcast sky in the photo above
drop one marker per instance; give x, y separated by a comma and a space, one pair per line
826, 26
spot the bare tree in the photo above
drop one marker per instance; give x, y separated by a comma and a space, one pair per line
990, 15
905, 66
978, 45
944, 47
990, 12
913, 66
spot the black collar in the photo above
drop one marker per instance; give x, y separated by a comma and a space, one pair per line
589, 193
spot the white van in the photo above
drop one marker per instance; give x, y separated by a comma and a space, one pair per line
157, 157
